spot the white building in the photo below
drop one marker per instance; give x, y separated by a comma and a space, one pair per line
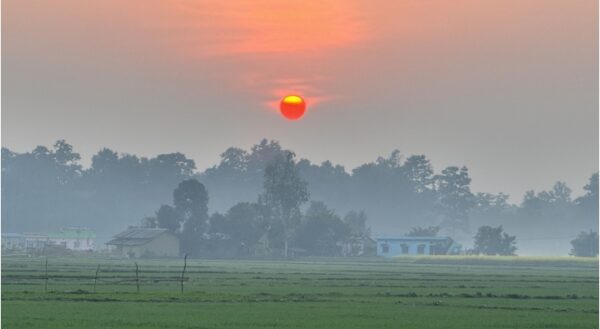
72, 238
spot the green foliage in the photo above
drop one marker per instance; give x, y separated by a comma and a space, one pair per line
588, 203
493, 241
191, 206
455, 197
167, 217
284, 193
49, 189
357, 224
321, 231
585, 245
241, 228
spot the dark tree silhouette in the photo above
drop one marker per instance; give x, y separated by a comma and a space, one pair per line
167, 217
191, 205
493, 241
321, 231
455, 197
585, 245
588, 203
284, 193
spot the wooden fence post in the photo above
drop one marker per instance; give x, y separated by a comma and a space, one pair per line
183, 272
137, 278
96, 277
46, 278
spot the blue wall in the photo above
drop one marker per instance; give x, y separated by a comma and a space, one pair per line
395, 247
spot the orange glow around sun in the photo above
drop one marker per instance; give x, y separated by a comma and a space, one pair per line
292, 107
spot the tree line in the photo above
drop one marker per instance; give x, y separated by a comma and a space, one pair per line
269, 226
48, 188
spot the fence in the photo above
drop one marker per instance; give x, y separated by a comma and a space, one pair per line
107, 274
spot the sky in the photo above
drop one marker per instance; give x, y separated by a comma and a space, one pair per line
508, 88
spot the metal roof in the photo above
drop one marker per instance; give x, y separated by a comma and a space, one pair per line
135, 236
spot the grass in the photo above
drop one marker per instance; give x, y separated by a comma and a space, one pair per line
426, 292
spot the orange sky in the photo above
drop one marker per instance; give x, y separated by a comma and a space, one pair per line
471, 82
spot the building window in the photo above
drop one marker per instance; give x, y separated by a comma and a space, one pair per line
404, 248
77, 244
385, 248
421, 249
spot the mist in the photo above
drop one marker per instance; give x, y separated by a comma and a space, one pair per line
47, 189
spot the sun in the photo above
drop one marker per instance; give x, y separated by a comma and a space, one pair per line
292, 107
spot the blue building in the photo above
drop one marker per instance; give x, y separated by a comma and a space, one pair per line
416, 245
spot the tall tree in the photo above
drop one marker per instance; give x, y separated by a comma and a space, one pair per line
493, 241
167, 217
191, 204
419, 172
321, 231
588, 203
284, 193
357, 223
455, 197
244, 225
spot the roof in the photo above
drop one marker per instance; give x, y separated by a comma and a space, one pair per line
413, 238
135, 236
34, 235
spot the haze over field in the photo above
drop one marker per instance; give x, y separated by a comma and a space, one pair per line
507, 88
47, 189
300, 164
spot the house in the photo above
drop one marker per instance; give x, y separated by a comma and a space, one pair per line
413, 245
35, 241
13, 241
71, 238
145, 242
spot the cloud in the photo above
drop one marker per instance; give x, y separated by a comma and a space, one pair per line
266, 27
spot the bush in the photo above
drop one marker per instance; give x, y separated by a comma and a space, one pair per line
585, 245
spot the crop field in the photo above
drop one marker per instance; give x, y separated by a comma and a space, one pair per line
436, 292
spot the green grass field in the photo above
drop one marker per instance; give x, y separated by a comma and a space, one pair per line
437, 292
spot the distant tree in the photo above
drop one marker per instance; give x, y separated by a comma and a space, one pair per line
532, 205
234, 159
493, 241
419, 172
357, 224
284, 193
239, 175
244, 225
588, 203
66, 160
191, 205
585, 245
149, 222
560, 194
321, 231
262, 154
455, 197
167, 217
40, 189
424, 231
488, 202
169, 169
